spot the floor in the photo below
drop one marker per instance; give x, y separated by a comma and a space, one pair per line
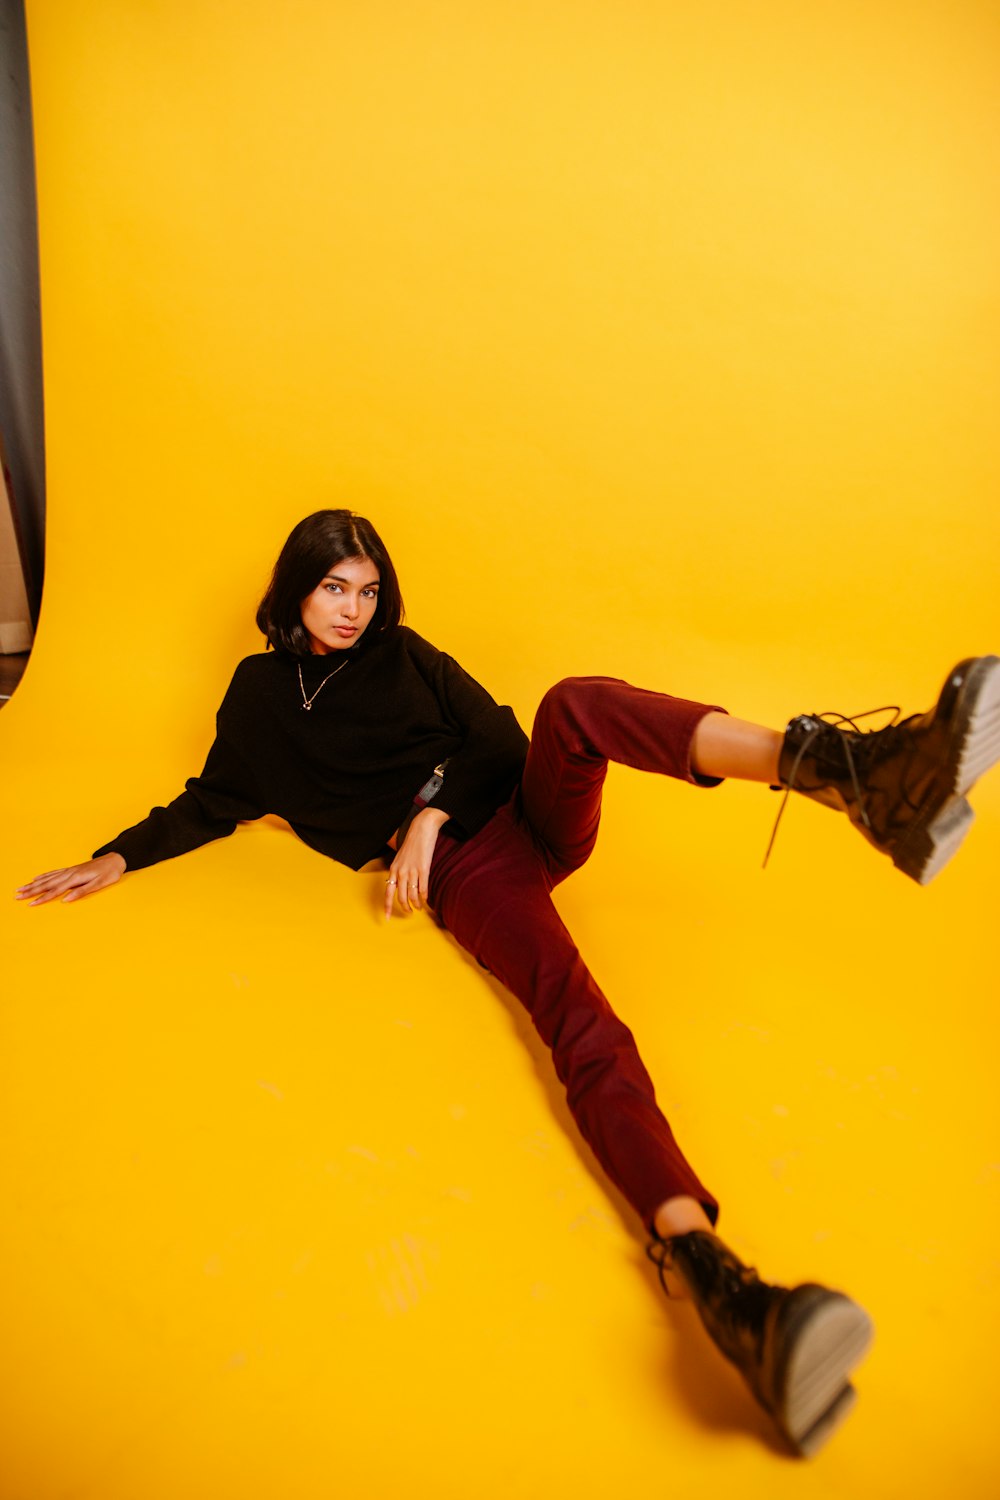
292, 1193
11, 672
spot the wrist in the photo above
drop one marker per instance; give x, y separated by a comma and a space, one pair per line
432, 816
119, 863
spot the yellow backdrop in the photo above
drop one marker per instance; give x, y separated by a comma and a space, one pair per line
659, 340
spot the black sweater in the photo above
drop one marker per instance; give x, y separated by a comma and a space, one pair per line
343, 774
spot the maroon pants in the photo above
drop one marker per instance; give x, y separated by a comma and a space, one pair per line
492, 893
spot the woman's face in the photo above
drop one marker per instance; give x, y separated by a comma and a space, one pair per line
340, 607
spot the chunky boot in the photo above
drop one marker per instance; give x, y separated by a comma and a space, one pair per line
904, 786
795, 1348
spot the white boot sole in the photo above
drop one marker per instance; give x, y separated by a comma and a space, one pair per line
836, 1337
936, 838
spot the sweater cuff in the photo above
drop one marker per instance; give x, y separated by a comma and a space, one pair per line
121, 846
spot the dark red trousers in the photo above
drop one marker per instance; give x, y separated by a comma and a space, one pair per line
492, 893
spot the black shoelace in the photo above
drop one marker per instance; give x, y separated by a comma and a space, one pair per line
658, 1252
826, 721
730, 1296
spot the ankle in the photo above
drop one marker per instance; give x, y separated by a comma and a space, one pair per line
680, 1215
726, 747
675, 1217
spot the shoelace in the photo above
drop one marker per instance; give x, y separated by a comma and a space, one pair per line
657, 1252
735, 1298
833, 721
733, 1275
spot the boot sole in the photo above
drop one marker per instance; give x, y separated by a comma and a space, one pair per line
931, 843
979, 746
824, 1342
820, 1433
935, 838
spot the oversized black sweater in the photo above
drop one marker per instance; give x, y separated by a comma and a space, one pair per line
345, 773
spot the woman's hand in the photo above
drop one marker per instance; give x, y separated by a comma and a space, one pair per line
410, 870
73, 882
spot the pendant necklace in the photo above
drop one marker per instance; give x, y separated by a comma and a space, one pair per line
307, 703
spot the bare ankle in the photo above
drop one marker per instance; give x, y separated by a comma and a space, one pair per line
680, 1216
677, 1216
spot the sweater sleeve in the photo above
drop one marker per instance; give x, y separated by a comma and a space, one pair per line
209, 808
483, 773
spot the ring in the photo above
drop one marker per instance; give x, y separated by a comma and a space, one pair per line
390, 882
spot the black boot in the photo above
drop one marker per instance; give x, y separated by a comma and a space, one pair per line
795, 1348
904, 786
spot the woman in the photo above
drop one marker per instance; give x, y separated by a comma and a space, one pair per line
374, 745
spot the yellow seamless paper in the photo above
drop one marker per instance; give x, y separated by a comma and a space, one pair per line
659, 341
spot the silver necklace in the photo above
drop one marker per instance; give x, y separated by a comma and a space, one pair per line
307, 703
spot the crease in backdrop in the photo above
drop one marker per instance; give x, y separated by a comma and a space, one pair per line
658, 343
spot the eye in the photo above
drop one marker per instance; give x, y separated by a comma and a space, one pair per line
332, 588
370, 593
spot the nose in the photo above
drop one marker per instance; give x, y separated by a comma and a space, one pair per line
350, 606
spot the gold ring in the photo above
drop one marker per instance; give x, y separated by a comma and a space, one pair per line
391, 882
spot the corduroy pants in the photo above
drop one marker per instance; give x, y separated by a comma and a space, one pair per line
492, 892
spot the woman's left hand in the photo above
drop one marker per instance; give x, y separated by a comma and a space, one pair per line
410, 871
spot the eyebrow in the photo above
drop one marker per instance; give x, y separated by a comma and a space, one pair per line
339, 578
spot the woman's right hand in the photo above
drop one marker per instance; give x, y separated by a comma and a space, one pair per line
73, 882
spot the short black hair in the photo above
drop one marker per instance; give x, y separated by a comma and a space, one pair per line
317, 544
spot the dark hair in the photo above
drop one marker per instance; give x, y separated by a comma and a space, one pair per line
315, 546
